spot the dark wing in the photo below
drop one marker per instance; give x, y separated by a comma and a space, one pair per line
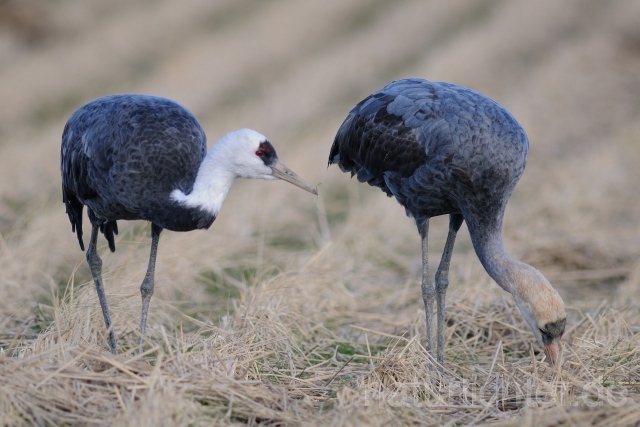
122, 155
434, 146
390, 133
77, 161
160, 151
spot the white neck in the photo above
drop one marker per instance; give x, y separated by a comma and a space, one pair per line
211, 186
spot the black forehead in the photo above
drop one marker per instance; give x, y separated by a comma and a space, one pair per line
553, 330
269, 153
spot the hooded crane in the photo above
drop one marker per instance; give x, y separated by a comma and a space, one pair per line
129, 157
439, 148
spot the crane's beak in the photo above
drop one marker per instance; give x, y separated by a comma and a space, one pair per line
551, 351
286, 174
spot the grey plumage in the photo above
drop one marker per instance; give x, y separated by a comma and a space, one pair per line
129, 157
122, 155
439, 148
432, 146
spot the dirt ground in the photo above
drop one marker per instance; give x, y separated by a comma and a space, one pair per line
302, 310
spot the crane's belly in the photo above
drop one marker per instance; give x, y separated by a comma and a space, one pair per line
163, 212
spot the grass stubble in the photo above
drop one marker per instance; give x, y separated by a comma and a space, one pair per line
310, 343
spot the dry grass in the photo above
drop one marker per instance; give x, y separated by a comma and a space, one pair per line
278, 359
300, 311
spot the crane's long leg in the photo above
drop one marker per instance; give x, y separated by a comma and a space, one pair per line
146, 288
95, 264
442, 279
428, 291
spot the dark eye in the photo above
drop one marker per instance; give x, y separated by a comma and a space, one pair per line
259, 153
546, 337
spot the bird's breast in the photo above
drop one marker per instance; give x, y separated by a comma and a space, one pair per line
176, 217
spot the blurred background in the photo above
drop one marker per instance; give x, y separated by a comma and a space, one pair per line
568, 71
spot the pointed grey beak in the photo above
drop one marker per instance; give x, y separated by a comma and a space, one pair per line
282, 172
551, 351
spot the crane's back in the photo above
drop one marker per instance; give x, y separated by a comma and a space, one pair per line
438, 148
122, 155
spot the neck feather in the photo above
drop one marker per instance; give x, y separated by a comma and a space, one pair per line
212, 184
488, 244
519, 279
537, 300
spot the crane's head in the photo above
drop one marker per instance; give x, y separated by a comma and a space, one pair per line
542, 309
249, 154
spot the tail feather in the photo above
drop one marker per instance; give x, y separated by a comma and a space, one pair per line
74, 211
110, 228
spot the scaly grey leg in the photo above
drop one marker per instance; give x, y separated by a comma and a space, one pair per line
95, 264
146, 288
428, 291
442, 280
